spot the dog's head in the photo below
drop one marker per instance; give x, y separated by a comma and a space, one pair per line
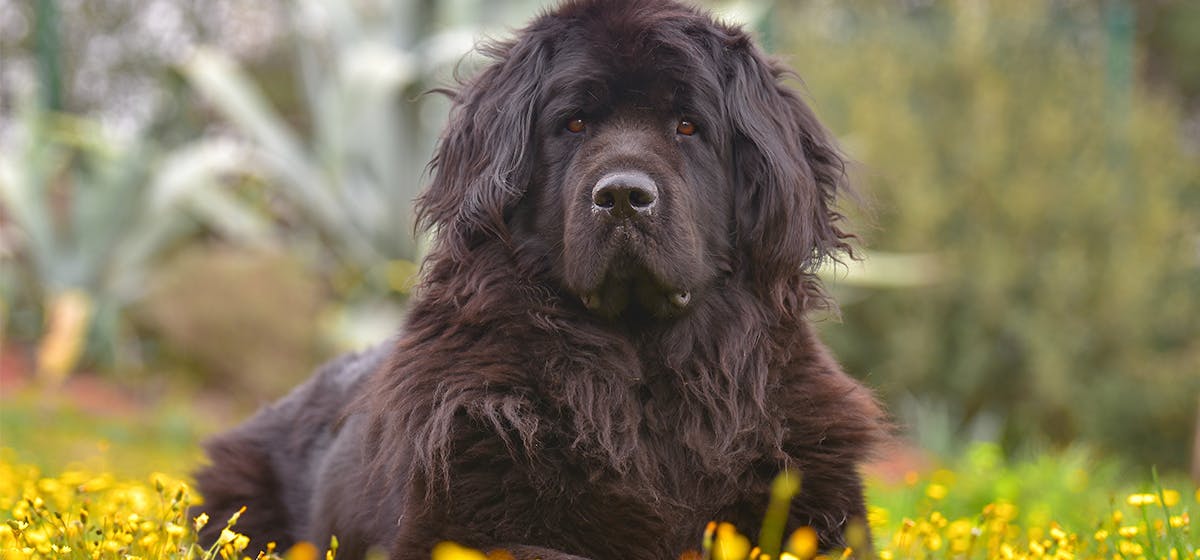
646, 154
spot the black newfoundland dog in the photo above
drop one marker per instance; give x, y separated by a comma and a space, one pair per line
609, 345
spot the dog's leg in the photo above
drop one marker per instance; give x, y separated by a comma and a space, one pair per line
241, 475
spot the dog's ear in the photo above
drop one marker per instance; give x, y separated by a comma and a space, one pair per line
482, 164
788, 174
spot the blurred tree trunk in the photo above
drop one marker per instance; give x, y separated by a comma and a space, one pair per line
1196, 447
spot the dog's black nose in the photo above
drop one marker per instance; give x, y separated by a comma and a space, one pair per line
625, 194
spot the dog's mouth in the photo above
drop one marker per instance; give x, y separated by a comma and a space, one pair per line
631, 289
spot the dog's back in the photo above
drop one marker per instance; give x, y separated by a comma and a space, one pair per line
271, 464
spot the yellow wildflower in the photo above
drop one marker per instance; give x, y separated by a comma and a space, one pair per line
1140, 500
877, 517
803, 543
1004, 511
306, 551
1129, 548
174, 531
730, 545
1057, 533
226, 537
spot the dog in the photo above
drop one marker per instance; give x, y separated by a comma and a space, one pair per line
609, 344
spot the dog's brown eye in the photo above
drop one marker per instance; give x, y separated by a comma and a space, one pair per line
576, 125
686, 128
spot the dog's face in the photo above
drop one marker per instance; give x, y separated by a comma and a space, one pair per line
634, 180
644, 153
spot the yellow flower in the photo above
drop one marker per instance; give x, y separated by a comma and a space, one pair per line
1128, 531
730, 545
233, 519
174, 531
226, 537
1129, 548
1004, 511
1180, 521
877, 517
452, 551
803, 543
959, 529
1057, 533
1170, 498
302, 551
936, 492
1139, 500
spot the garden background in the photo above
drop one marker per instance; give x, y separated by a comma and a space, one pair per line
200, 200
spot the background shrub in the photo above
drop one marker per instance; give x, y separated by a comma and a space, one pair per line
1013, 142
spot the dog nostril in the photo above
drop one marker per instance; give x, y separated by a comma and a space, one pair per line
641, 198
625, 193
604, 199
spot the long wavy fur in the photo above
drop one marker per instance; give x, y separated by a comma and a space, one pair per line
506, 414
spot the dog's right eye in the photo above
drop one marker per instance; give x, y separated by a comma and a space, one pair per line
576, 125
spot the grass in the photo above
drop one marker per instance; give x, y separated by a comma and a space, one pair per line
63, 494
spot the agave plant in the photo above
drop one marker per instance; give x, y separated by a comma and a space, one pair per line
354, 170
83, 216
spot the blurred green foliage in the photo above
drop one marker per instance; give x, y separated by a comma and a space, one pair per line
92, 215
1010, 140
1034, 264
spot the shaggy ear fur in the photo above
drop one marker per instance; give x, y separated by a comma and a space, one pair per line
482, 164
789, 173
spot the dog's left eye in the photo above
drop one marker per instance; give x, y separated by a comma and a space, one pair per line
576, 125
686, 128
